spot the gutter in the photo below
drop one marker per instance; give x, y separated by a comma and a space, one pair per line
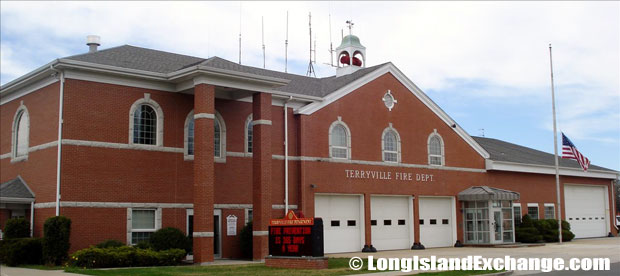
60, 122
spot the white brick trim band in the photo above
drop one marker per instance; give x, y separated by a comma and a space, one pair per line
80, 204
260, 233
203, 235
261, 122
204, 116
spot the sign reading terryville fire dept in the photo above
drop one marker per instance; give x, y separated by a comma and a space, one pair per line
296, 237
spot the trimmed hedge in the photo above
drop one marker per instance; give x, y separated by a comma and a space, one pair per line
56, 232
14, 252
109, 243
169, 238
542, 230
16, 228
125, 256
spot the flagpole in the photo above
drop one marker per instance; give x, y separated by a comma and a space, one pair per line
555, 149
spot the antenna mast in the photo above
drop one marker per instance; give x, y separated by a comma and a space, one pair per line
310, 67
239, 33
262, 21
331, 48
286, 47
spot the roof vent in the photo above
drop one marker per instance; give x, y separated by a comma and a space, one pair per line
93, 41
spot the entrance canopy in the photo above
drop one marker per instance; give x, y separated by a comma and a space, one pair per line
486, 193
16, 191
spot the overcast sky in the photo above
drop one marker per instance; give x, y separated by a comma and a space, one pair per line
485, 63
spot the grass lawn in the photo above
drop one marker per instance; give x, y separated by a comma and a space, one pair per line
337, 266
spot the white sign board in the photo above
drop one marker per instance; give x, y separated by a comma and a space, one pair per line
231, 225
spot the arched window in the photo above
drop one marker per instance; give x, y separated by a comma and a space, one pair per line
435, 149
249, 133
146, 122
219, 139
390, 144
189, 135
21, 133
339, 140
145, 125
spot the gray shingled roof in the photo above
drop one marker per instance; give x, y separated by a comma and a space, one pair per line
144, 59
487, 193
15, 188
509, 152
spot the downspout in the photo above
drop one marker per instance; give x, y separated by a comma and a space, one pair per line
613, 204
31, 219
60, 122
286, 154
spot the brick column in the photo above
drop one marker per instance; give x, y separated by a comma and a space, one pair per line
261, 173
204, 112
368, 246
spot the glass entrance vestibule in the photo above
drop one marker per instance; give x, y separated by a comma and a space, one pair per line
488, 215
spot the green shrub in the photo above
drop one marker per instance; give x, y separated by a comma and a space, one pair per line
169, 238
21, 251
56, 232
110, 243
528, 235
532, 231
245, 241
526, 221
143, 245
125, 256
16, 228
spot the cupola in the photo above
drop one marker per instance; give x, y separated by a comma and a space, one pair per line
351, 54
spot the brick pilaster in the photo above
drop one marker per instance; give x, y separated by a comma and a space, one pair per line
261, 173
204, 111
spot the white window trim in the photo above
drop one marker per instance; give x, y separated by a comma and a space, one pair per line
515, 205
21, 110
347, 131
428, 148
160, 120
532, 205
245, 135
130, 229
220, 119
398, 147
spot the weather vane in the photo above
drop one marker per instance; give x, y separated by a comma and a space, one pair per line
350, 23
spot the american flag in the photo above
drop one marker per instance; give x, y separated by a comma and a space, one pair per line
569, 151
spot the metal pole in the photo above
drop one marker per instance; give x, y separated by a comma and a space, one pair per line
555, 149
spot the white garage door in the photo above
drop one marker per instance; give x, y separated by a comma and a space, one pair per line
586, 210
390, 220
436, 225
342, 222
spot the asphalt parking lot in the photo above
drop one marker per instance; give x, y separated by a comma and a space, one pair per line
581, 248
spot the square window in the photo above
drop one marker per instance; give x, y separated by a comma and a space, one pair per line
142, 225
421, 222
401, 222
335, 223
444, 221
387, 222
433, 221
350, 222
373, 222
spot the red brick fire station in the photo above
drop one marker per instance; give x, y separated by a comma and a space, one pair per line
127, 140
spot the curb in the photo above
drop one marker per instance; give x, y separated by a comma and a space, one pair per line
503, 273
